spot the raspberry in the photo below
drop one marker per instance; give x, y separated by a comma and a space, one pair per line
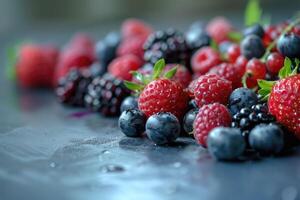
218, 28
35, 65
82, 41
256, 70
233, 53
72, 58
135, 27
191, 88
163, 95
122, 66
209, 117
210, 89
182, 76
274, 63
132, 45
229, 72
204, 59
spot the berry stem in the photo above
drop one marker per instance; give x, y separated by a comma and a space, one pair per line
272, 45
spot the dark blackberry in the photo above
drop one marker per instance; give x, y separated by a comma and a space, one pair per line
105, 95
248, 118
170, 45
71, 89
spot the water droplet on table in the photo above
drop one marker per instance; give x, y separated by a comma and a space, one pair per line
53, 164
105, 152
111, 168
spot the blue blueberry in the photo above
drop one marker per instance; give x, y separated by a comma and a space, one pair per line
129, 103
189, 119
289, 45
226, 143
255, 29
162, 128
241, 98
132, 122
224, 46
192, 104
197, 38
267, 139
252, 47
106, 48
197, 25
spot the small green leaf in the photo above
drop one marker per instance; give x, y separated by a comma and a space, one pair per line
235, 36
214, 45
10, 68
253, 13
265, 84
169, 74
138, 76
286, 70
158, 68
133, 86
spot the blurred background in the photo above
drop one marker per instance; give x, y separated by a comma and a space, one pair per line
22, 15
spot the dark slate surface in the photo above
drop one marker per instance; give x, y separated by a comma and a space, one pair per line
48, 151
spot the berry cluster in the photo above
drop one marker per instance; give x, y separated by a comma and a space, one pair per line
234, 91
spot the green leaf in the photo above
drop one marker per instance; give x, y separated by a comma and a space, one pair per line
253, 13
133, 86
214, 45
286, 70
138, 76
158, 68
265, 84
235, 36
12, 56
169, 74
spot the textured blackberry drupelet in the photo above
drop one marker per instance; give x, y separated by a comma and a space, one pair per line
105, 95
72, 88
170, 45
247, 118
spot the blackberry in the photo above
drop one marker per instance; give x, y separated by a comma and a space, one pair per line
247, 118
170, 45
105, 95
71, 89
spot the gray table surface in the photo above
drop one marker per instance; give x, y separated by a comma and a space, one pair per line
48, 151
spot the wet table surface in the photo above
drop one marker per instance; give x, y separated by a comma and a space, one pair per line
48, 151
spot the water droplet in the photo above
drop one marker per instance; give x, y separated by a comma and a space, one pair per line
289, 193
105, 152
177, 164
111, 168
53, 164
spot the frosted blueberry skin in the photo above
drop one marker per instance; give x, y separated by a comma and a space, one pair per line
267, 139
189, 119
255, 29
163, 128
226, 143
241, 98
132, 122
289, 45
252, 47
129, 103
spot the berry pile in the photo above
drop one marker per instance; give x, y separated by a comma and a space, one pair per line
233, 91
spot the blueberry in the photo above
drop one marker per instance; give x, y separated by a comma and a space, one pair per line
162, 128
129, 103
226, 143
267, 139
132, 122
224, 46
252, 47
192, 104
289, 45
106, 48
197, 25
241, 98
197, 38
255, 29
188, 120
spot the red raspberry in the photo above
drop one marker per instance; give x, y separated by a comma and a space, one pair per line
132, 45
209, 117
256, 70
72, 58
274, 63
204, 59
122, 66
240, 64
163, 95
284, 103
135, 27
218, 28
210, 89
182, 76
229, 72
82, 41
191, 88
271, 33
233, 53
36, 65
